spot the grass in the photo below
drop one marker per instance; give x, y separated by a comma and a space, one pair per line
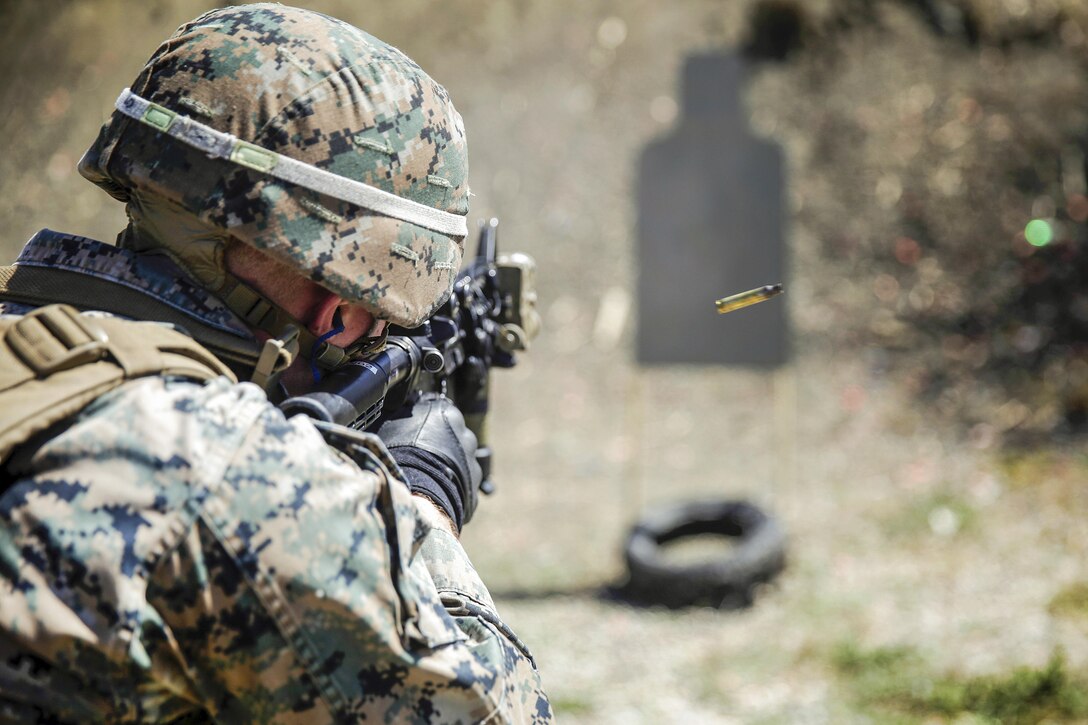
942, 514
1028, 468
1071, 601
897, 684
571, 705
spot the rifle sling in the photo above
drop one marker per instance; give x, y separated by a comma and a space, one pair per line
43, 286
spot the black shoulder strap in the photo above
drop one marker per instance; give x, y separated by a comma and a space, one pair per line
44, 286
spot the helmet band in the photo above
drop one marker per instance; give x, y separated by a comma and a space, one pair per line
221, 145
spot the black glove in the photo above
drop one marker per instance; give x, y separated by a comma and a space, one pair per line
437, 452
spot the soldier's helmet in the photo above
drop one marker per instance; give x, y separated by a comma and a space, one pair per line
306, 138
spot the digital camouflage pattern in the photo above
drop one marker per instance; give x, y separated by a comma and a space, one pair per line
320, 91
152, 274
183, 551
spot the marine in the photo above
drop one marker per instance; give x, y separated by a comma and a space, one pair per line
172, 548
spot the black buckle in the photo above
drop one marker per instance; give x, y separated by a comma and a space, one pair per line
55, 338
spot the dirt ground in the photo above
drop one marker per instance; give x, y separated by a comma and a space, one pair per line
905, 528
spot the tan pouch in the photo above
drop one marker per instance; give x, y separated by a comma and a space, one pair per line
55, 361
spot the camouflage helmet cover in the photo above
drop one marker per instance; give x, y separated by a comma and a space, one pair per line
319, 91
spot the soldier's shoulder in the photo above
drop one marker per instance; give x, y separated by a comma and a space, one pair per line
161, 436
173, 414
105, 268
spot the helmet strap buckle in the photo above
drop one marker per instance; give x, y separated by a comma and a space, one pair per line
277, 354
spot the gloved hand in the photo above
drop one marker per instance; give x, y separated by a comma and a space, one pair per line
437, 452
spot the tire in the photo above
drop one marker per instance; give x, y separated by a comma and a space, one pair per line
726, 582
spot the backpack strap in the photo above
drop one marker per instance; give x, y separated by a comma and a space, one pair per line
45, 285
55, 361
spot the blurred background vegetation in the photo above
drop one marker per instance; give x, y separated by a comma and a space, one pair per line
924, 448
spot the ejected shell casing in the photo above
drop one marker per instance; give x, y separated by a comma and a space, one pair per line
751, 297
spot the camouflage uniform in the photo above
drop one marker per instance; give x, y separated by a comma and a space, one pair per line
181, 549
178, 551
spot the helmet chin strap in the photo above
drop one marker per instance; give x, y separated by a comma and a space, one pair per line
337, 328
263, 314
159, 226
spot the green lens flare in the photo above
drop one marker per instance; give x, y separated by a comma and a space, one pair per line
1039, 233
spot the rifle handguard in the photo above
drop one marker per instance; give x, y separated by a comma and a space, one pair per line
354, 394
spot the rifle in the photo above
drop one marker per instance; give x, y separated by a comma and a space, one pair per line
490, 315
